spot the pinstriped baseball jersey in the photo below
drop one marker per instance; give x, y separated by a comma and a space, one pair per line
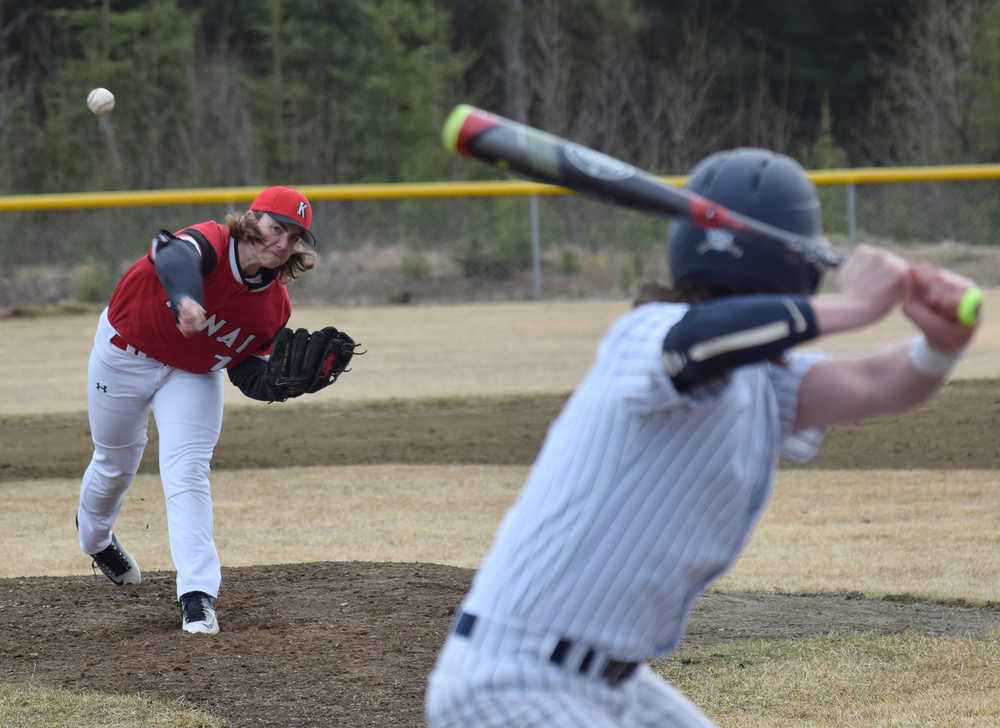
640, 496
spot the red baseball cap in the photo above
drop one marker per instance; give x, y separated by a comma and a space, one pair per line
288, 206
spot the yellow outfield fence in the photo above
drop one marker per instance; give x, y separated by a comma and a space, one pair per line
887, 175
424, 190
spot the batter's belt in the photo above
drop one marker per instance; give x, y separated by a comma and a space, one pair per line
613, 672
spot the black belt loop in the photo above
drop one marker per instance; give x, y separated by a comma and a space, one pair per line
616, 671
558, 655
465, 624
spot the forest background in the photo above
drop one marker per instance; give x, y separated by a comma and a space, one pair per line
253, 92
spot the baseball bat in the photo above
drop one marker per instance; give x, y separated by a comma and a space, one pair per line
544, 157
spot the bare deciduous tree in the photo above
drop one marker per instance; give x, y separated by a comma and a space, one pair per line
928, 99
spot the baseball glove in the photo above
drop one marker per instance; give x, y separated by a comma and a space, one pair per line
303, 362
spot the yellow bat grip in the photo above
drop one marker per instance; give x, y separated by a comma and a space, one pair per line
968, 307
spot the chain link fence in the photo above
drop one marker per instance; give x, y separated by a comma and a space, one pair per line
460, 249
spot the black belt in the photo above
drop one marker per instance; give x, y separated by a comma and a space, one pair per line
614, 672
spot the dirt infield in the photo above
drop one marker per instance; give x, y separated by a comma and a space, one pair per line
955, 429
340, 644
350, 644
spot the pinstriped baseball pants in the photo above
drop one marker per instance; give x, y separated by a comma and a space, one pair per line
500, 677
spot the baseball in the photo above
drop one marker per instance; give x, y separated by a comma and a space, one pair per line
100, 101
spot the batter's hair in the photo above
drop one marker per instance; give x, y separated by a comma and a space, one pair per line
243, 226
679, 292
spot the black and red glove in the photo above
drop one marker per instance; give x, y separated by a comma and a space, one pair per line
303, 362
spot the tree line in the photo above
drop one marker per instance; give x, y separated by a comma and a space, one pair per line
246, 92
232, 92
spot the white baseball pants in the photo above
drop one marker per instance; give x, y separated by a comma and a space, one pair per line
501, 677
124, 386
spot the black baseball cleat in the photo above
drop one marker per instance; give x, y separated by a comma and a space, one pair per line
117, 564
198, 613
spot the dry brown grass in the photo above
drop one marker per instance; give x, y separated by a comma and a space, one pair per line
925, 533
920, 532
414, 351
910, 681
24, 706
437, 514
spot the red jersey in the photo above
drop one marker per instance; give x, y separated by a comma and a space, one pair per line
243, 314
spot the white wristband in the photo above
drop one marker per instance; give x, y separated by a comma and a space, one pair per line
928, 360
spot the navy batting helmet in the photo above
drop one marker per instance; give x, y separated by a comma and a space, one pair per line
766, 186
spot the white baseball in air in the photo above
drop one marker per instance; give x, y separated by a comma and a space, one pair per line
100, 101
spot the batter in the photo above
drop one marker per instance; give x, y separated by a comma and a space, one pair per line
652, 477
